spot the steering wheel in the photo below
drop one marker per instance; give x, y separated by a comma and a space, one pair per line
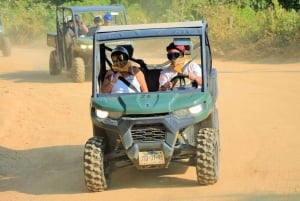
181, 77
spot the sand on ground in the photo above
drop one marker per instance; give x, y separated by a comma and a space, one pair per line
45, 122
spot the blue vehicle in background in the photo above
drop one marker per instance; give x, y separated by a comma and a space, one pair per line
73, 50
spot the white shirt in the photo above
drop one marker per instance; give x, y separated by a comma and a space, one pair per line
168, 73
121, 87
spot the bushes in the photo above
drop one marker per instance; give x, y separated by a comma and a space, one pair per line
233, 25
27, 21
233, 28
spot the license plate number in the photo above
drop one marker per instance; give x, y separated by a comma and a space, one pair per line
151, 158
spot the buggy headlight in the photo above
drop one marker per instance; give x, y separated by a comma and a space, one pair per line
101, 113
104, 114
82, 46
196, 109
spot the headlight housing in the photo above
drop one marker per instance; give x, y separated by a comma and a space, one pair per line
102, 114
194, 110
115, 115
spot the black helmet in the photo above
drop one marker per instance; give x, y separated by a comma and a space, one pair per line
119, 50
97, 19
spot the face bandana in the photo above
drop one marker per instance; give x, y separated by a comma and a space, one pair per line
124, 68
178, 64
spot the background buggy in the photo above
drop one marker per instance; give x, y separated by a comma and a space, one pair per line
73, 52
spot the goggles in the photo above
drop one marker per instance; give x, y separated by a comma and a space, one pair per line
173, 55
118, 60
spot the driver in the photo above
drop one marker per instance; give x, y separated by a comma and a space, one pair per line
178, 64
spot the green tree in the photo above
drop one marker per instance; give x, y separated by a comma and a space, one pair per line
290, 4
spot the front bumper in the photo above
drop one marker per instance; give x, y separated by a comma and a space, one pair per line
147, 134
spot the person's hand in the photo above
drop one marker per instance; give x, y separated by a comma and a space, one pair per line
192, 76
167, 85
116, 77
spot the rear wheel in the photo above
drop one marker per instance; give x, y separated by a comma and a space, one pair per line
207, 156
95, 167
78, 70
53, 67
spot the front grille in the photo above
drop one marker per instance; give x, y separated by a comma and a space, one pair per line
148, 133
146, 115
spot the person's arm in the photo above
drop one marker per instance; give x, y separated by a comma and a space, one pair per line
195, 73
107, 84
164, 82
141, 79
84, 28
198, 79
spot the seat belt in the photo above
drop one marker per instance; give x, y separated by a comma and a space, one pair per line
128, 84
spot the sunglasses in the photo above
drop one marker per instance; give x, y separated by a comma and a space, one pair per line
117, 58
173, 55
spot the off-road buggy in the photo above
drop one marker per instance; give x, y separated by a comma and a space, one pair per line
73, 51
151, 130
5, 45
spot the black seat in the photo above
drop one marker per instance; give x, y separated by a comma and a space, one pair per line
152, 78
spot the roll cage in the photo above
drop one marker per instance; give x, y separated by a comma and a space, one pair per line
127, 32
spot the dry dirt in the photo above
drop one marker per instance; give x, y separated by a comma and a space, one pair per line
44, 124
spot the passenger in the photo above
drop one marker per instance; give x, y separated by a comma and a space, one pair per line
107, 19
97, 27
178, 64
70, 29
134, 77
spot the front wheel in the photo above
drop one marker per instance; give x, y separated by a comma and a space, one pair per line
207, 156
78, 70
95, 167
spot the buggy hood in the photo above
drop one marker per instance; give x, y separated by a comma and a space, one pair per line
150, 103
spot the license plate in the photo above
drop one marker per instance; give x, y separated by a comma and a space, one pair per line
151, 158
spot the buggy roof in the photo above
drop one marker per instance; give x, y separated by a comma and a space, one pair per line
194, 28
78, 9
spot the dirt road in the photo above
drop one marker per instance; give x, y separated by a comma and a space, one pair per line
44, 124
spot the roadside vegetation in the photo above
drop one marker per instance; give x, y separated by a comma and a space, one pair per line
254, 28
